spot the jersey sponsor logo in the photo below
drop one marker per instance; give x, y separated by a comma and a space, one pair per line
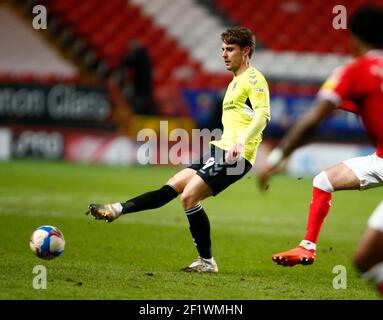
228, 105
228, 108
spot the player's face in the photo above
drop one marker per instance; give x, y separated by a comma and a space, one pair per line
233, 56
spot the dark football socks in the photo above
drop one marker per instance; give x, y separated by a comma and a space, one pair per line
200, 230
150, 200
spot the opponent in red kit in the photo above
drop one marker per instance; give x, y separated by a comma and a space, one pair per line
356, 87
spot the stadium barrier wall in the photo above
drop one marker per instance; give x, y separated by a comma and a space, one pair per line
313, 158
5, 144
56, 104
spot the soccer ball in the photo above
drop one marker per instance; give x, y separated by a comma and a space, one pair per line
47, 242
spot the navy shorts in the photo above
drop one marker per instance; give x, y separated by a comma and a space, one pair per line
217, 174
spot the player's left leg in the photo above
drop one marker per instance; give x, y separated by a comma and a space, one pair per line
356, 173
338, 177
368, 257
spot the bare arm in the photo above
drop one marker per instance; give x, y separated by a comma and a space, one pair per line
296, 137
304, 128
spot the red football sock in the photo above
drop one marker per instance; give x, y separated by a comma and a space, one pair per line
319, 208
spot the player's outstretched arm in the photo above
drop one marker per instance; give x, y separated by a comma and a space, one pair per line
296, 136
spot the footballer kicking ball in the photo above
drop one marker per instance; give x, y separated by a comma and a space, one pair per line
47, 242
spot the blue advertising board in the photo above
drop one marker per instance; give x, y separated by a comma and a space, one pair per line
205, 105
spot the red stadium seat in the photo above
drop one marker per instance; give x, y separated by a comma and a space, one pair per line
7, 77
279, 23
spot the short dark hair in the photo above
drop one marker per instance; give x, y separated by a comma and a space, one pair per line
366, 23
241, 36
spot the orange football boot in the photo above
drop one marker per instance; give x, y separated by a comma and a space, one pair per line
298, 255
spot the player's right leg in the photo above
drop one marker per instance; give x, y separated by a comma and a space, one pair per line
149, 200
356, 173
339, 177
369, 255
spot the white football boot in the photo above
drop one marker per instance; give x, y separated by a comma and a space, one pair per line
202, 265
107, 212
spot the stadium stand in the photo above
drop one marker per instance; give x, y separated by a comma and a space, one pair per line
196, 29
182, 38
86, 40
294, 25
32, 64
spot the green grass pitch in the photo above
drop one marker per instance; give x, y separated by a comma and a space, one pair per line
139, 256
